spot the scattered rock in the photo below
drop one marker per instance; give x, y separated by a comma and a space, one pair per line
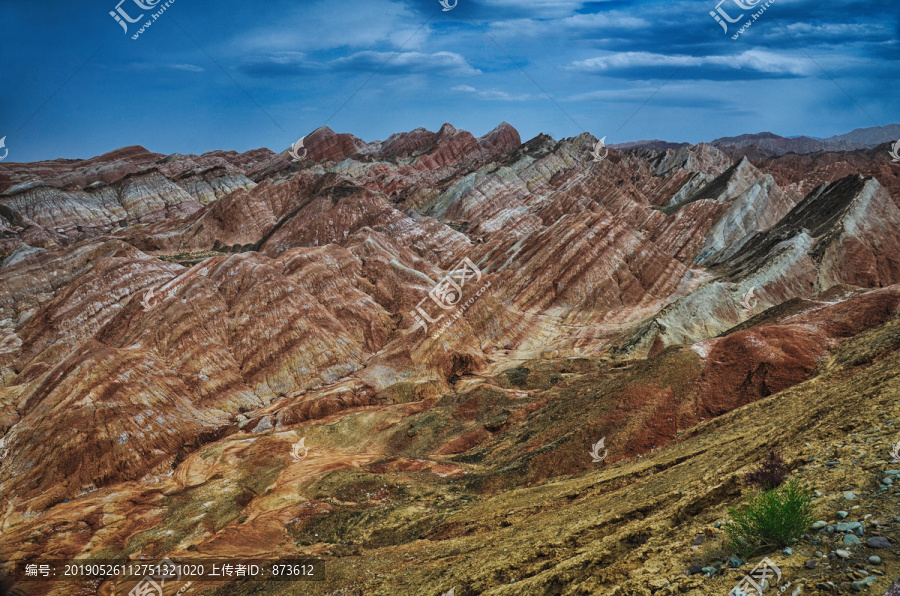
863, 583
847, 527
875, 560
844, 554
878, 542
842, 514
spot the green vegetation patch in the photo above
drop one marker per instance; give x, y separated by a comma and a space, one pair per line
770, 519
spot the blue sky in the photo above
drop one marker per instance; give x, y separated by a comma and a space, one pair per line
235, 74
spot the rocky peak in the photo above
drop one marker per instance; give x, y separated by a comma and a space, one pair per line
502, 138
414, 142
323, 144
731, 183
702, 158
447, 130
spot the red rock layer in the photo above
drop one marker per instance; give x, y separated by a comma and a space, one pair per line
295, 304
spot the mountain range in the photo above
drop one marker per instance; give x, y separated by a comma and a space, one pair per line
449, 323
766, 143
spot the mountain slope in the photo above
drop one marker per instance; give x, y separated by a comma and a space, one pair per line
450, 322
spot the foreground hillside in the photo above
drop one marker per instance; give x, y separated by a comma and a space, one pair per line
449, 323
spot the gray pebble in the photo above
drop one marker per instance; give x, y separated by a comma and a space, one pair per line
850, 540
878, 542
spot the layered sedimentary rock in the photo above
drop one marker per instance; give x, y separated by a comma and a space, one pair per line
71, 200
435, 308
804, 173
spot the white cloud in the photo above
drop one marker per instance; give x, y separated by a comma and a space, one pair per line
491, 94
410, 62
840, 31
608, 24
750, 60
295, 63
187, 67
546, 8
318, 26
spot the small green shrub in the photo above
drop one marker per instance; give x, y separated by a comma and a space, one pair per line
770, 519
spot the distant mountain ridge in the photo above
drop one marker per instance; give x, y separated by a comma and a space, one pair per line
860, 138
655, 145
